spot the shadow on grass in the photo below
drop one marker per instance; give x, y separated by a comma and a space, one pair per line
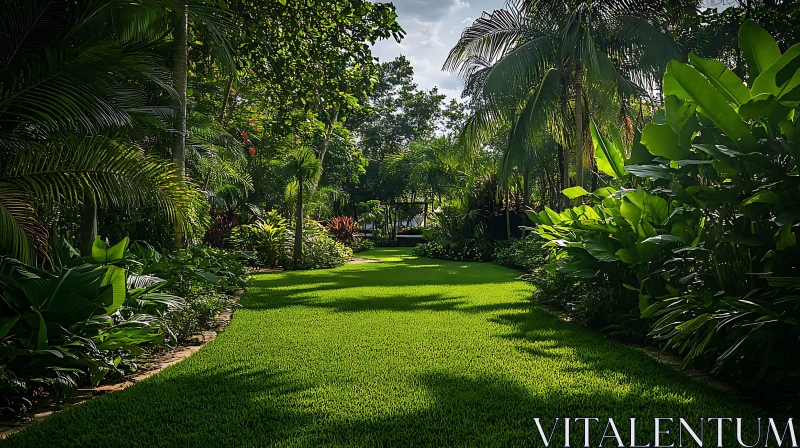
235, 407
272, 291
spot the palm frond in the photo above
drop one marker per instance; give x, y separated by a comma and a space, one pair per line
22, 236
117, 174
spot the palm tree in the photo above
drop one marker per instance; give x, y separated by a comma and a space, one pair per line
302, 166
530, 64
208, 20
72, 84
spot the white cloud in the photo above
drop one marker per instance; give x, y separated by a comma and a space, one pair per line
458, 4
432, 29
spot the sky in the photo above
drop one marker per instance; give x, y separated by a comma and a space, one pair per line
432, 29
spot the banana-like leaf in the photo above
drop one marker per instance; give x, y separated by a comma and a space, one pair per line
650, 171
661, 140
610, 156
758, 47
602, 247
575, 192
685, 79
725, 81
115, 277
104, 254
782, 77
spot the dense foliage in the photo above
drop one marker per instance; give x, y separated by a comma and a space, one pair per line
88, 319
700, 225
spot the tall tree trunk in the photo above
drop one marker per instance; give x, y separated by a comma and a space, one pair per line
180, 63
298, 226
225, 100
578, 84
508, 214
328, 133
563, 169
88, 223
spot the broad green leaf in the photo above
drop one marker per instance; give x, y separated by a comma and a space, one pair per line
724, 80
765, 196
533, 216
763, 105
610, 157
651, 309
604, 192
627, 256
6, 323
693, 324
759, 48
711, 104
601, 247
657, 207
664, 239
41, 332
662, 141
639, 153
575, 192
785, 238
115, 277
769, 80
650, 171
554, 217
104, 254
681, 118
631, 213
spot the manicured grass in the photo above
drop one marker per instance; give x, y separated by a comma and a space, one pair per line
407, 352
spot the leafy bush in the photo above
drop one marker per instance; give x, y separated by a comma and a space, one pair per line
362, 245
417, 230
343, 229
266, 238
196, 314
456, 235
64, 326
86, 320
706, 243
524, 254
319, 251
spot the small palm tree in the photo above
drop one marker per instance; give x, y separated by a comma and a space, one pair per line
302, 166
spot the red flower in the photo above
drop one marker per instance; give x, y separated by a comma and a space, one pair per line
252, 151
244, 134
248, 119
258, 130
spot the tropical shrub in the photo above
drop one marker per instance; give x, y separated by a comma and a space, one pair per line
91, 318
266, 238
362, 245
343, 229
456, 235
69, 325
416, 230
197, 312
319, 251
707, 241
524, 254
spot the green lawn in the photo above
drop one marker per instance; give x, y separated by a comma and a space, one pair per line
406, 352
